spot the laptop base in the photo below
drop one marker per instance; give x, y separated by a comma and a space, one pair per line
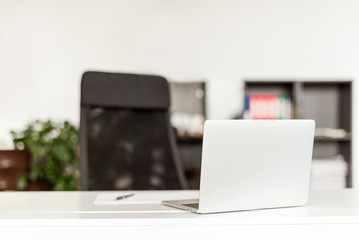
190, 205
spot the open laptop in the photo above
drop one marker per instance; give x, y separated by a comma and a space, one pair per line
253, 164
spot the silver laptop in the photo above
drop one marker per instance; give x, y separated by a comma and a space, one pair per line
253, 164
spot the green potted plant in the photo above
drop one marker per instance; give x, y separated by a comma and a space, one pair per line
54, 156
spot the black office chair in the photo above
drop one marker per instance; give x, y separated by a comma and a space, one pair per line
126, 140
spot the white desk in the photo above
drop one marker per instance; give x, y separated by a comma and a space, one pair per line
60, 215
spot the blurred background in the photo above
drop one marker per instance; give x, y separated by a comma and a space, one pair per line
210, 51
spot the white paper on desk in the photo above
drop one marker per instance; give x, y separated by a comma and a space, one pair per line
145, 197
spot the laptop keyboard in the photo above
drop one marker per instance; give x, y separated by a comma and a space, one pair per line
192, 205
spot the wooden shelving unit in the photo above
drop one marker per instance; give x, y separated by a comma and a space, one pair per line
329, 103
188, 99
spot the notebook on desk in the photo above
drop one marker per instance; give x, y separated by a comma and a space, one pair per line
253, 164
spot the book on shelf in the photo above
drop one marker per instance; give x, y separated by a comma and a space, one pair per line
329, 173
331, 132
267, 106
188, 124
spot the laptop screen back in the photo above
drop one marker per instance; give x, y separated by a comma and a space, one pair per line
251, 164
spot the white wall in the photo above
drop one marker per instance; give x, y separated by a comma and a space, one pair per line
45, 46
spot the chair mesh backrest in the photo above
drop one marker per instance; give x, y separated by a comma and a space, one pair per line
127, 147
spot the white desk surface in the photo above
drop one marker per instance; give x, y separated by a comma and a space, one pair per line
330, 213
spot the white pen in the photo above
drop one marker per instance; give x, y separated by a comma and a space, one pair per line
124, 196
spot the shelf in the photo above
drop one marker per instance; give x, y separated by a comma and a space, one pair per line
330, 139
329, 103
189, 140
